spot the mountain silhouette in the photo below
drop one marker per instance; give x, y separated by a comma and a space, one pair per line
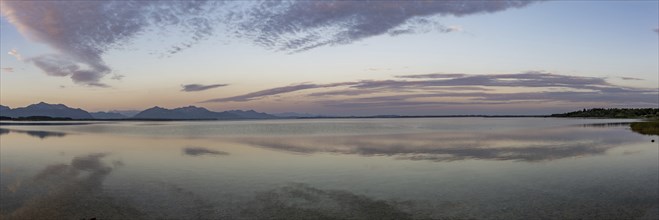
45, 109
199, 113
296, 115
108, 115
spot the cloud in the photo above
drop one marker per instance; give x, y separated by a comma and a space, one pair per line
7, 69
433, 76
200, 151
82, 32
200, 87
57, 65
301, 201
526, 79
277, 91
350, 92
534, 88
14, 53
630, 78
517, 145
303, 25
117, 77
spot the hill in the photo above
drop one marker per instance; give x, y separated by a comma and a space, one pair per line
612, 113
108, 115
47, 110
198, 113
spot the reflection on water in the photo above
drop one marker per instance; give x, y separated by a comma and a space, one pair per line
301, 201
532, 145
37, 134
610, 124
75, 191
69, 191
200, 151
386, 169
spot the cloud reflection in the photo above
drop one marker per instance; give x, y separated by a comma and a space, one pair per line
529, 146
73, 191
301, 201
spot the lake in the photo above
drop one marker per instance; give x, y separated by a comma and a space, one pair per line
421, 168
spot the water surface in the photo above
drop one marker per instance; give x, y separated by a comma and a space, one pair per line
422, 168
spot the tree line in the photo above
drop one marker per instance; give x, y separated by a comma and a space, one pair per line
612, 113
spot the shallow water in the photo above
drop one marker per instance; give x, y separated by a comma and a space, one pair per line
437, 168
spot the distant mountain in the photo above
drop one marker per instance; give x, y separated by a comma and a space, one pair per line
198, 113
296, 115
45, 109
55, 111
107, 115
127, 113
4, 108
160, 113
251, 114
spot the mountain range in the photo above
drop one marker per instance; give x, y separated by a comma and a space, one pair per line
182, 113
45, 109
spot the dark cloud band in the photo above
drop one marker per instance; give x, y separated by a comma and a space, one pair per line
443, 89
200, 87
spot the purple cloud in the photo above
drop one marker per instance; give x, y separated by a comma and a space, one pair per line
303, 25
83, 31
200, 87
434, 90
276, 91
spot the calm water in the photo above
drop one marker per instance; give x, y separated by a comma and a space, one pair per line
440, 168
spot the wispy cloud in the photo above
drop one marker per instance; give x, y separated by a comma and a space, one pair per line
527, 79
200, 87
630, 78
464, 89
516, 145
303, 25
82, 32
433, 76
7, 69
57, 65
277, 91
14, 53
201, 151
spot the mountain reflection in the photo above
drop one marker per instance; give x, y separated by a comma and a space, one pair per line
528, 145
37, 134
610, 124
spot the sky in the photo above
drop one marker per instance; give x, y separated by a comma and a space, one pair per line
332, 57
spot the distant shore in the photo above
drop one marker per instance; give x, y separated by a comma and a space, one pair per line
45, 118
596, 113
